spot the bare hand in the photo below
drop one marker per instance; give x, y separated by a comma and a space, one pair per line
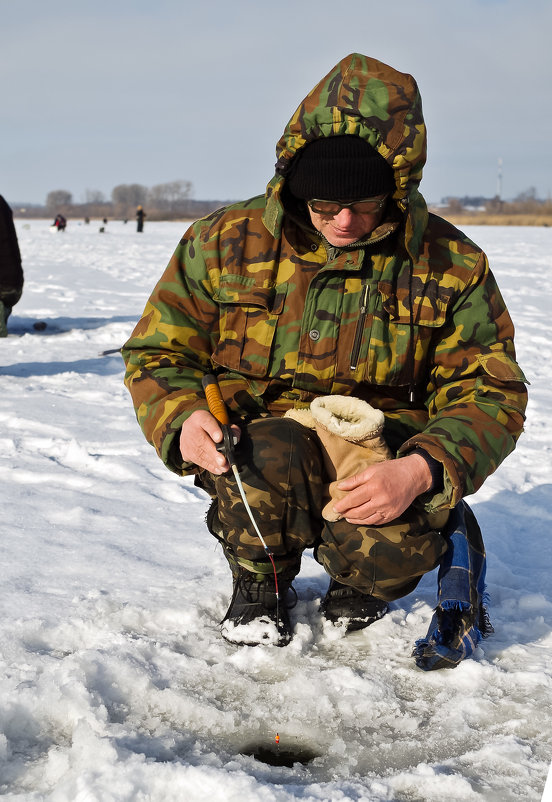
198, 438
383, 491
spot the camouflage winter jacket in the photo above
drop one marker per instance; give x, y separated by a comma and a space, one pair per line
411, 320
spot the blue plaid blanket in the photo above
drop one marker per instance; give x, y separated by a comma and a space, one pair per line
460, 620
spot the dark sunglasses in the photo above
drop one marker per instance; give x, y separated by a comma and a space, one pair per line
363, 206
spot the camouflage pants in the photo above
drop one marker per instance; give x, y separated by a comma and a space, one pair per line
281, 467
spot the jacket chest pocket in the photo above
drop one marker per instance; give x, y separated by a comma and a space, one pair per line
248, 320
396, 335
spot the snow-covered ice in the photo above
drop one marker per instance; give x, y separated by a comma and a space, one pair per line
115, 685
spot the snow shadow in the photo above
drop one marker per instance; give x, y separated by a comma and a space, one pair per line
102, 366
60, 325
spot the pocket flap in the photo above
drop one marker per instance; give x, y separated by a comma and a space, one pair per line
500, 365
242, 290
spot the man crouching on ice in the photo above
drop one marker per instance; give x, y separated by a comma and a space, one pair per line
366, 357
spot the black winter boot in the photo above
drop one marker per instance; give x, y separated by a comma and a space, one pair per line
348, 607
256, 616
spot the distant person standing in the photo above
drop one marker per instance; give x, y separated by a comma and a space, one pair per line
140, 216
11, 272
60, 222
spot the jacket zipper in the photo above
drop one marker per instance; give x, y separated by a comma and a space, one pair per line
359, 327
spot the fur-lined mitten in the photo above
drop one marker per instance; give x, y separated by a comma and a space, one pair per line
350, 431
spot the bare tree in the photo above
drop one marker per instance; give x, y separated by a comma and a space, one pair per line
454, 205
167, 201
169, 196
126, 197
528, 202
58, 199
93, 196
527, 195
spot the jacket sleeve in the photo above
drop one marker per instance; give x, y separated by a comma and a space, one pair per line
476, 396
169, 351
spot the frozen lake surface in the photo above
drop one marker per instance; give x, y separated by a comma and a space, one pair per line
115, 685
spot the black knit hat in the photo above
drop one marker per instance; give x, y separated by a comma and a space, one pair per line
340, 168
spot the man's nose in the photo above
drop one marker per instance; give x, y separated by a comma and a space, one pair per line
344, 217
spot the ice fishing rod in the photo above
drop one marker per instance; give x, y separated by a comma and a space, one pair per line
218, 409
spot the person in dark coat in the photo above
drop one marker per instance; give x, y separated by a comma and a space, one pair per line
60, 222
140, 215
11, 272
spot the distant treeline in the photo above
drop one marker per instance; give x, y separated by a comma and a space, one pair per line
525, 203
173, 201
524, 210
170, 201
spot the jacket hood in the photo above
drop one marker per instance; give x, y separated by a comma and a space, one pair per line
363, 97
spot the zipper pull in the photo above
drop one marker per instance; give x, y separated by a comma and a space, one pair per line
364, 300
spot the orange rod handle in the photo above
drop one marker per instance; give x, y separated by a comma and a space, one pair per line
216, 404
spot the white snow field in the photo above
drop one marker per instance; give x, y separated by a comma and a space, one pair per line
115, 685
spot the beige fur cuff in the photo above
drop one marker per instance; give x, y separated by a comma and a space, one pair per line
347, 417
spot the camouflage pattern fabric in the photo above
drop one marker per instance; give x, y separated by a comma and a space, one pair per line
257, 296
281, 469
279, 465
385, 561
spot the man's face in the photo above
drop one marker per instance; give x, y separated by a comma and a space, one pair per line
347, 226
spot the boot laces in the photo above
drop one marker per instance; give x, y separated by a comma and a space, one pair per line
255, 591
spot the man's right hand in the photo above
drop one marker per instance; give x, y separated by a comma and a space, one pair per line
198, 438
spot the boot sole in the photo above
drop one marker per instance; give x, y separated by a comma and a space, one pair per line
259, 632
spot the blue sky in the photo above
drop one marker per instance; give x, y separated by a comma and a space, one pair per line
101, 93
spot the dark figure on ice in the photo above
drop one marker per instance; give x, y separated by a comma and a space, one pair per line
365, 357
11, 272
140, 217
60, 222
